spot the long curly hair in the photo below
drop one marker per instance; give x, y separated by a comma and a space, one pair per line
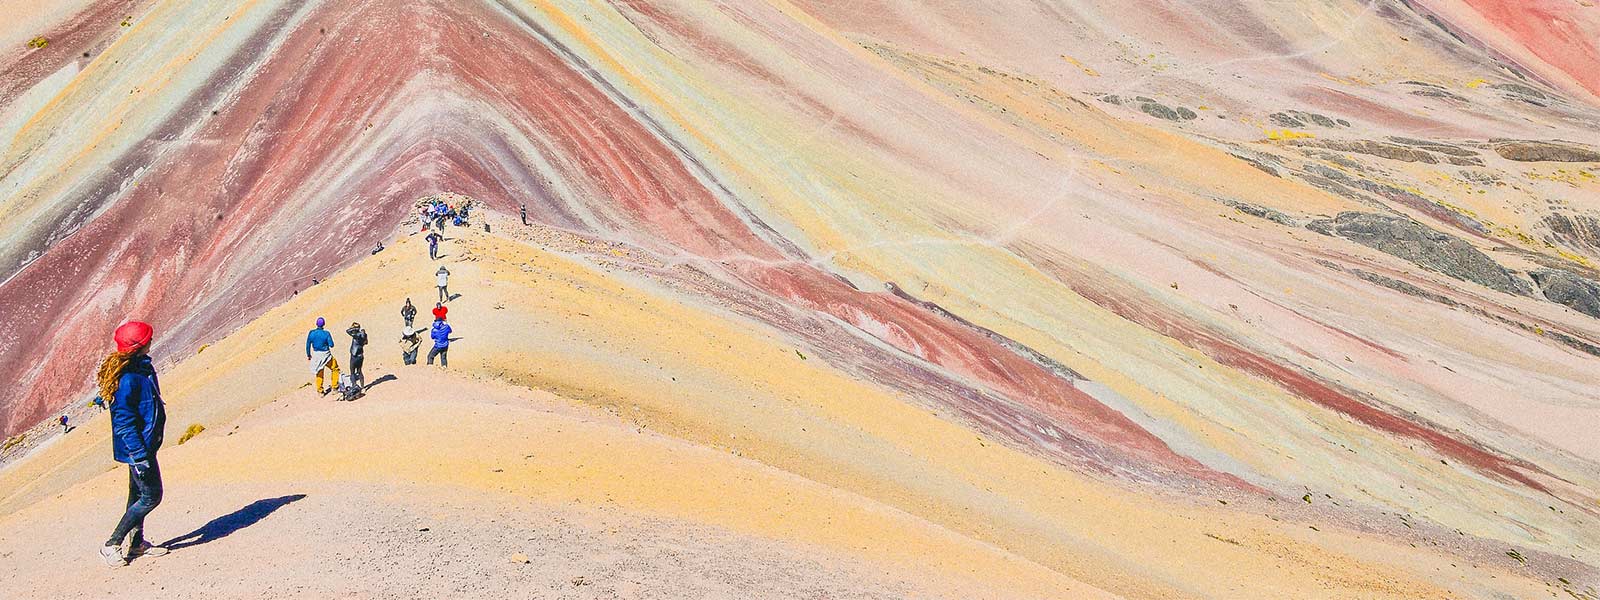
111, 373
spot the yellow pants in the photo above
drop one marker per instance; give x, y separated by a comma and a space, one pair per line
333, 368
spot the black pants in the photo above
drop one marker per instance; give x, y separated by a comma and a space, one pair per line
144, 493
444, 294
433, 252
442, 353
356, 378
409, 320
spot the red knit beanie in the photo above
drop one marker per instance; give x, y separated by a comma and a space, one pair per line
133, 335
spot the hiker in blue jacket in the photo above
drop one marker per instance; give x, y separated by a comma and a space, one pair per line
319, 351
138, 421
441, 338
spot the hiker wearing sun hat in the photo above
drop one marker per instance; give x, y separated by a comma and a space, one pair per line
319, 350
138, 421
410, 341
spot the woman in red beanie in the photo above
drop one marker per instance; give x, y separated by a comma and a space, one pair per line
138, 419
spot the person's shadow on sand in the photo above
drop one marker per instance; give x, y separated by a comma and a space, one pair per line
389, 377
224, 525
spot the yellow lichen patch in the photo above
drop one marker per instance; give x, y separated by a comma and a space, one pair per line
1578, 178
1288, 134
1577, 258
1086, 70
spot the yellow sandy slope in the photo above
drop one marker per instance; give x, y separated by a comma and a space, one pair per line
667, 408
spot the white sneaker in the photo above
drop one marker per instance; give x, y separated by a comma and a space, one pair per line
147, 549
113, 556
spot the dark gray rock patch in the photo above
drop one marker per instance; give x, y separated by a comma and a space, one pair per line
1262, 212
1570, 290
1423, 246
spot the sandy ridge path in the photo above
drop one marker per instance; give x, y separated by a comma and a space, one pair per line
402, 494
672, 414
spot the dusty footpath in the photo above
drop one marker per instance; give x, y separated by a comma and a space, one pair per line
598, 436
439, 486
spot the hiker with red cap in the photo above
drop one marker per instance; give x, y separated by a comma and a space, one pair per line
441, 337
138, 421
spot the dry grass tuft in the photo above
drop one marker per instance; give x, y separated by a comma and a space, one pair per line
192, 431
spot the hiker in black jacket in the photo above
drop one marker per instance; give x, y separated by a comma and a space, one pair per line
358, 352
408, 312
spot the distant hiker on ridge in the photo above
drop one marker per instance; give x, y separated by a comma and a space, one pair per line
358, 355
408, 312
524, 214
138, 421
319, 350
443, 276
64, 427
410, 341
441, 338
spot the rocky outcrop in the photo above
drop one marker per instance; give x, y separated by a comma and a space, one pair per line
1379, 149
1524, 94
1299, 119
1261, 212
1403, 287
1534, 151
1433, 146
1346, 185
1570, 290
1517, 88
1152, 107
1263, 166
1424, 246
1575, 230
1432, 93
1162, 111
1416, 151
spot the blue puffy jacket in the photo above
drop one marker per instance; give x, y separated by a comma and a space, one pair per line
138, 418
319, 339
441, 334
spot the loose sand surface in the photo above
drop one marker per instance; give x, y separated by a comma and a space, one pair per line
388, 497
630, 443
